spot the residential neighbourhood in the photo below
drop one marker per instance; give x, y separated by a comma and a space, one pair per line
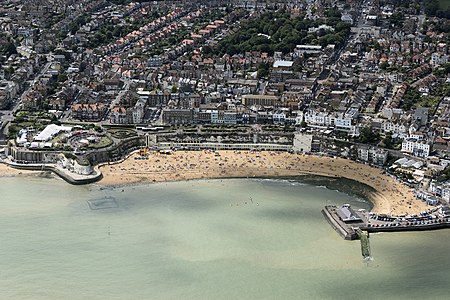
367, 80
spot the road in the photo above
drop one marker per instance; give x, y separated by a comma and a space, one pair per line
119, 96
8, 115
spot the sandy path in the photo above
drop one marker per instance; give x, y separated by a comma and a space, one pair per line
391, 196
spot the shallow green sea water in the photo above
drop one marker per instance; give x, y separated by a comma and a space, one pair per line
211, 239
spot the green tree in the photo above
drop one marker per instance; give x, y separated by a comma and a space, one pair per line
410, 99
62, 77
384, 65
207, 50
10, 48
367, 136
263, 70
387, 141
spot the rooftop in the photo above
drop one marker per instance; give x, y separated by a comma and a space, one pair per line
50, 131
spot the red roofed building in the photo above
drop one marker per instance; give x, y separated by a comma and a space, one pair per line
88, 112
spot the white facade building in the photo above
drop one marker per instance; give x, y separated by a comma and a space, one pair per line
279, 117
374, 155
416, 147
139, 111
395, 128
343, 123
318, 119
214, 117
440, 189
8, 90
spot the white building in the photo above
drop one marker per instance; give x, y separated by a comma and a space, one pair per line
342, 122
318, 118
229, 117
139, 111
279, 117
223, 117
440, 189
50, 132
416, 147
308, 49
372, 154
347, 18
397, 129
282, 64
322, 27
438, 59
214, 117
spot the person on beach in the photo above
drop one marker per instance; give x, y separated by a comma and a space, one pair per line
205, 164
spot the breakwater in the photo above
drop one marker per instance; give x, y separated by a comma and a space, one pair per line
346, 231
439, 224
438, 218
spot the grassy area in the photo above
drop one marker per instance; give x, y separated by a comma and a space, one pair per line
121, 133
16, 127
444, 4
102, 143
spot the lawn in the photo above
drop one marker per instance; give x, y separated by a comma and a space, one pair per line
102, 143
121, 133
444, 4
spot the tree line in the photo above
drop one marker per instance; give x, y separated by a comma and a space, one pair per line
279, 32
436, 9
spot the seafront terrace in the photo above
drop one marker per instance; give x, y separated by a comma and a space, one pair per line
224, 146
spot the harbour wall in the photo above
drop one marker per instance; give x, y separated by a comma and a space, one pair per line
424, 227
68, 178
347, 232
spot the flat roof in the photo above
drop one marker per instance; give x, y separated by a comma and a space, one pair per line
347, 214
315, 47
251, 96
282, 63
50, 131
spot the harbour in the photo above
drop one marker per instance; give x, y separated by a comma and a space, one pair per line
433, 219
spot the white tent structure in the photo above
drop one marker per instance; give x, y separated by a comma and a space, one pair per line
50, 131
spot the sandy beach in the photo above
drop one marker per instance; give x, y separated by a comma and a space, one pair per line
390, 196
6, 170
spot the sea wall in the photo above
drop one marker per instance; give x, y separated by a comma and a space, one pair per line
78, 180
115, 152
345, 231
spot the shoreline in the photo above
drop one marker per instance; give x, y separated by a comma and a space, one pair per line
389, 196
12, 169
8, 171
325, 181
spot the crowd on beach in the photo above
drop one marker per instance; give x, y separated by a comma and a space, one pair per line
390, 196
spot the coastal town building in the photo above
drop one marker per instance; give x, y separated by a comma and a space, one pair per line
416, 147
373, 78
373, 155
8, 90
